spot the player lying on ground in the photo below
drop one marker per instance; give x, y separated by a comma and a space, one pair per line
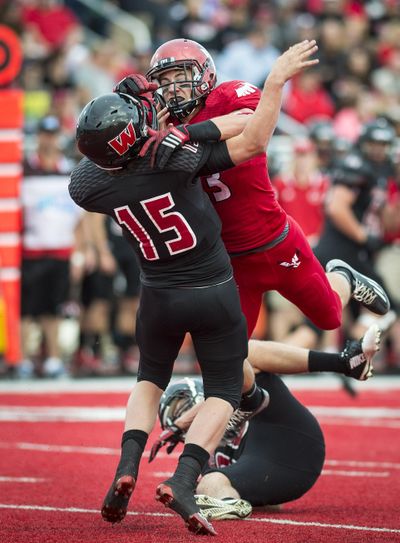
276, 457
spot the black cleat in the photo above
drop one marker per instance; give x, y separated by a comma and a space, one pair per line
182, 501
239, 418
358, 355
116, 502
363, 289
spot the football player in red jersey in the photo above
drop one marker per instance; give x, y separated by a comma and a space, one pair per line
268, 250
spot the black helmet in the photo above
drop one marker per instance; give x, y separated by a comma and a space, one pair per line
112, 128
322, 131
177, 398
353, 170
378, 131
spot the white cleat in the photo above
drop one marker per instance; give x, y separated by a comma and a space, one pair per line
225, 509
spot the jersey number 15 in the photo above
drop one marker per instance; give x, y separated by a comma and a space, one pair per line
158, 211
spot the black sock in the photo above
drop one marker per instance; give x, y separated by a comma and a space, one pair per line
190, 465
320, 361
124, 341
252, 398
132, 447
90, 341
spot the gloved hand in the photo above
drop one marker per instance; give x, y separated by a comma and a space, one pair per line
373, 243
164, 143
170, 437
135, 85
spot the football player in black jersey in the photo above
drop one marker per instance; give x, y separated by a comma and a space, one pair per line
186, 276
275, 457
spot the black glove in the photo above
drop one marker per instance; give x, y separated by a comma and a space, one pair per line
164, 143
373, 243
135, 85
171, 436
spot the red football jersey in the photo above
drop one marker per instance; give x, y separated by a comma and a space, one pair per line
243, 196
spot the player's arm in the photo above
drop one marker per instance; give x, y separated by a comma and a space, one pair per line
261, 125
218, 128
258, 129
163, 143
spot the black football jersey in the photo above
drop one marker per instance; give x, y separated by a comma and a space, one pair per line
165, 214
369, 183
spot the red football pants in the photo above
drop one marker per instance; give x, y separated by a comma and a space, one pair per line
292, 269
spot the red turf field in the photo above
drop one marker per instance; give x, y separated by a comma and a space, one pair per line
58, 453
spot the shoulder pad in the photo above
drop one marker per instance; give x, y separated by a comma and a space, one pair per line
238, 94
352, 171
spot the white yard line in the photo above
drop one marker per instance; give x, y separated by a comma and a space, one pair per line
72, 449
359, 416
251, 519
22, 480
125, 384
362, 464
344, 473
108, 451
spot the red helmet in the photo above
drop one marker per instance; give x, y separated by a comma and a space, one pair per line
194, 59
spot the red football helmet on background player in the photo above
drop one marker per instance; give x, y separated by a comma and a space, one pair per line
199, 71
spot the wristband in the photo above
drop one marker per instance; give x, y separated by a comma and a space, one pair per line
204, 131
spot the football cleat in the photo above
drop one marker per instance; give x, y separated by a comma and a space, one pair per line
225, 509
358, 355
363, 289
117, 499
181, 500
238, 419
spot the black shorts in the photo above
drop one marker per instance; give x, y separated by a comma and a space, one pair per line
283, 453
130, 271
217, 326
96, 286
45, 286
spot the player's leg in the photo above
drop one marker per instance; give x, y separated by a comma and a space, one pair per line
220, 342
155, 369
321, 298
355, 360
283, 452
251, 293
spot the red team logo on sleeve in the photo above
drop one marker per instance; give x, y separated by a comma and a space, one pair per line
124, 141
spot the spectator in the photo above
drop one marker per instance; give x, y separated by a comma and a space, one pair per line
302, 191
50, 220
249, 59
50, 22
307, 99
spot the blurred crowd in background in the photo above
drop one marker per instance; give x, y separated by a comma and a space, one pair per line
78, 49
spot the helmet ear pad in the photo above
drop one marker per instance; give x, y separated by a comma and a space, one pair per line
112, 129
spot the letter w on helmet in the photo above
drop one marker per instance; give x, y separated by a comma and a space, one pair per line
125, 139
